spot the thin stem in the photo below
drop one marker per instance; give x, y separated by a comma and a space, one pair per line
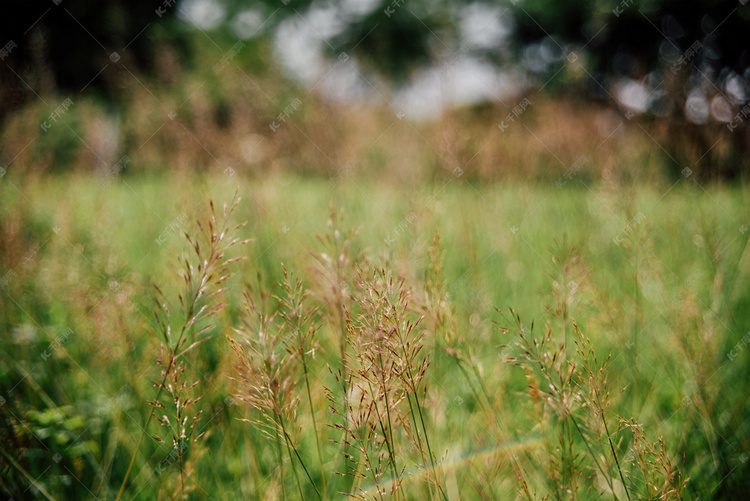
143, 431
360, 466
315, 426
414, 421
282, 478
182, 477
412, 381
388, 438
344, 373
294, 469
574, 477
487, 402
419, 438
291, 447
606, 474
617, 462
481, 385
26, 474
429, 449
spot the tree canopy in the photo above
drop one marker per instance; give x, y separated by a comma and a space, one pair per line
664, 57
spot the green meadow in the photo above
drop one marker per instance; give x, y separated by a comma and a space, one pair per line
418, 339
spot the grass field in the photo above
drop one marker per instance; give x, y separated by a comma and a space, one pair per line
470, 402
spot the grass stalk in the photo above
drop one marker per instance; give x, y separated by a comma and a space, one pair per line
282, 477
429, 449
614, 454
387, 433
314, 422
290, 447
606, 474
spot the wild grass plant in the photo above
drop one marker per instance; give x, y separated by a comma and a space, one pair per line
366, 365
176, 397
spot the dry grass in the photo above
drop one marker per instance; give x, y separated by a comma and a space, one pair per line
369, 401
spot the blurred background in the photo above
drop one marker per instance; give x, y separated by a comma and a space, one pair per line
495, 89
581, 160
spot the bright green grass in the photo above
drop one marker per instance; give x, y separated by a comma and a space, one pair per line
660, 280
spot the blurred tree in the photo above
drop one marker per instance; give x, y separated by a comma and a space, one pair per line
686, 64
70, 45
674, 45
392, 38
669, 42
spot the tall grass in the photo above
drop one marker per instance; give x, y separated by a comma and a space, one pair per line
369, 370
202, 277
